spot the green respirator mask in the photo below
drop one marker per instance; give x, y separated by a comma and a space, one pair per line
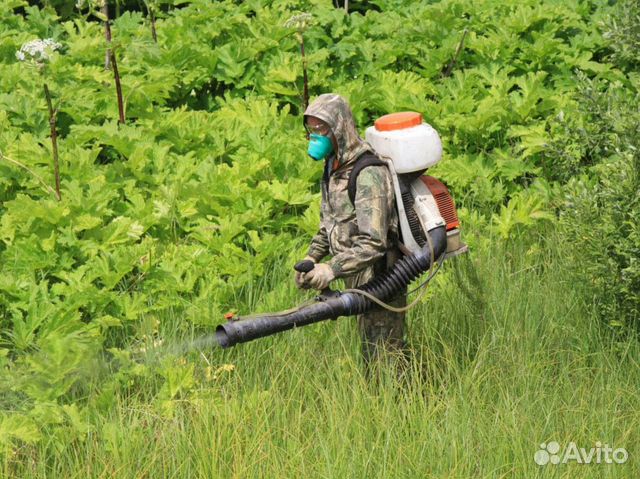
319, 147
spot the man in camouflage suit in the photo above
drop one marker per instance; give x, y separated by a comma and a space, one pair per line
361, 236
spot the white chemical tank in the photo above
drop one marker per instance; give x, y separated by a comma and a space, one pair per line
403, 137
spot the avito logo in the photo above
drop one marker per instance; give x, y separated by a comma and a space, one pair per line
550, 453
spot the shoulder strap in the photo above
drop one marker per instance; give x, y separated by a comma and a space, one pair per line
367, 159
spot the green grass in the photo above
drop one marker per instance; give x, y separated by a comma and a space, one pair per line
507, 355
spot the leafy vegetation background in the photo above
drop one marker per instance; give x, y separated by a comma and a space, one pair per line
202, 200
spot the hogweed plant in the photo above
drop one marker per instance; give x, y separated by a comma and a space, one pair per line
100, 9
37, 53
301, 22
152, 7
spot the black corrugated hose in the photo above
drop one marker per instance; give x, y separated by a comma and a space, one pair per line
384, 287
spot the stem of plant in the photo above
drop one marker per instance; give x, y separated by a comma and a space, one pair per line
153, 25
54, 140
107, 33
116, 76
47, 188
455, 57
111, 60
305, 94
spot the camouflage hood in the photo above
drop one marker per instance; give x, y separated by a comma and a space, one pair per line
334, 110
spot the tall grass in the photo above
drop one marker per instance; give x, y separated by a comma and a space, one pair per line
506, 356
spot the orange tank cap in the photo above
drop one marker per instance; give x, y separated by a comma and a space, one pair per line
398, 121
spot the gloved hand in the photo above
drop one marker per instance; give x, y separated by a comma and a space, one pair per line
320, 276
300, 278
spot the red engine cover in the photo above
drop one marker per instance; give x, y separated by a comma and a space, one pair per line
443, 200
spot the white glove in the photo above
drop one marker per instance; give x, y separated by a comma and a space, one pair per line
320, 276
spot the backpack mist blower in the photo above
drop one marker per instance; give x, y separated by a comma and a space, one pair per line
429, 230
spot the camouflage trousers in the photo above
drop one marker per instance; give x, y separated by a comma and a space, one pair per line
382, 332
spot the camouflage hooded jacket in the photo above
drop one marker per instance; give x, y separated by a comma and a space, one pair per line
355, 235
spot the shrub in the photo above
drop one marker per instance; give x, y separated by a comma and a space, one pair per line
603, 205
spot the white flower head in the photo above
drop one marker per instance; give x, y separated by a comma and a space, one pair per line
91, 4
300, 21
37, 51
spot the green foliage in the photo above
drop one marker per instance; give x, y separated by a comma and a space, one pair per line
597, 146
505, 355
604, 205
592, 128
181, 211
623, 34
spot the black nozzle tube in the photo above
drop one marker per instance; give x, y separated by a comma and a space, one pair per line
243, 330
384, 287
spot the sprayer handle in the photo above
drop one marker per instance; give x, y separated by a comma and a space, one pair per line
304, 266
